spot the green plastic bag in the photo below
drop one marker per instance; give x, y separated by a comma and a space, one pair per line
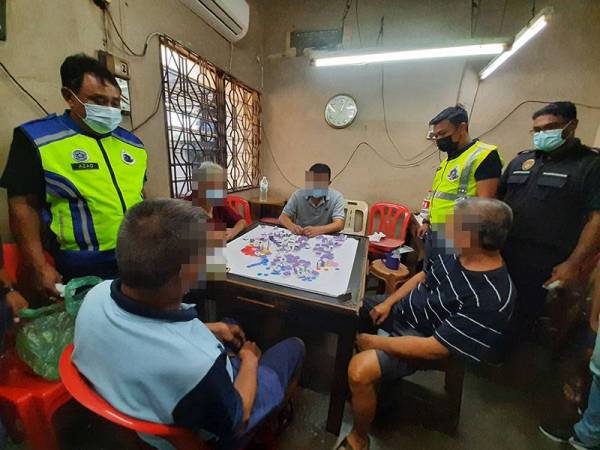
41, 341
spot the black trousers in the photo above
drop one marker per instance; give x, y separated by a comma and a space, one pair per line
529, 265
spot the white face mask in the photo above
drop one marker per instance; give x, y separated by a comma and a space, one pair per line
101, 119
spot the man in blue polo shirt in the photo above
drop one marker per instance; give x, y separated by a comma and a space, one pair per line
460, 304
318, 209
150, 356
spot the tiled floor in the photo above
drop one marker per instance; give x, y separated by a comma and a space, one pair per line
501, 410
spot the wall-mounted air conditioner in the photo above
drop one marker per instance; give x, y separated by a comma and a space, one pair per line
230, 18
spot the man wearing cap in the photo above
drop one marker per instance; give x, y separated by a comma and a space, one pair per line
554, 192
471, 169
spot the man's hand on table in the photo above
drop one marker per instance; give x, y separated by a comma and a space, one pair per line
312, 231
296, 229
380, 312
230, 334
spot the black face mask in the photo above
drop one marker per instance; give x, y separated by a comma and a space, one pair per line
447, 145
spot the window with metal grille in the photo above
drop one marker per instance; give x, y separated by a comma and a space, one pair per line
210, 116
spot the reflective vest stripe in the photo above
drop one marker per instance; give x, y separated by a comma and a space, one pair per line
466, 173
83, 225
446, 196
54, 137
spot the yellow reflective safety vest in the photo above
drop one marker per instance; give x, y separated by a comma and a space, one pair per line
455, 180
90, 183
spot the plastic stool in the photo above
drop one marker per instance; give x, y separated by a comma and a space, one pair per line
393, 278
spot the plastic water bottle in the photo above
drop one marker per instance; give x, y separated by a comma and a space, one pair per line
264, 189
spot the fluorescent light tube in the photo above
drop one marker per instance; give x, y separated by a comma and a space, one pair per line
447, 52
524, 36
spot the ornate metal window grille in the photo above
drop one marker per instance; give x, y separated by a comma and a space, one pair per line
210, 116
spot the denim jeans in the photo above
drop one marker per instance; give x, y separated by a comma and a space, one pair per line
588, 428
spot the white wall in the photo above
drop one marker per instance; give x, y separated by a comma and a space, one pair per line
561, 63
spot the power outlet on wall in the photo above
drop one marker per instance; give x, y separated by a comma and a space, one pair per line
117, 66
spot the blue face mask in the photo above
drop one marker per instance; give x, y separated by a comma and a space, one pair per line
216, 197
101, 119
317, 193
215, 193
549, 140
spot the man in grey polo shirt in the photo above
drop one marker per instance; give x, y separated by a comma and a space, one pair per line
317, 209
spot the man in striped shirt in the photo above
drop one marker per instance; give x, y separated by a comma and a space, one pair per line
460, 304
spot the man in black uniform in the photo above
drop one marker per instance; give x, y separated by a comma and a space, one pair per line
554, 192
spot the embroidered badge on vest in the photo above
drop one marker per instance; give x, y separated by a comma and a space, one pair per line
80, 155
453, 174
528, 164
127, 158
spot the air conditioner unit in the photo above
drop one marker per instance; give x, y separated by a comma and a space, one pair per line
230, 18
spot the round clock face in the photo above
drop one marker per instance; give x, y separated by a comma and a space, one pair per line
340, 111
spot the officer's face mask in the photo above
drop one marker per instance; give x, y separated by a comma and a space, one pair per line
447, 145
101, 119
549, 140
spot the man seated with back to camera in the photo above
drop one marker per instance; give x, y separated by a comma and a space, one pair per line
317, 209
460, 304
150, 356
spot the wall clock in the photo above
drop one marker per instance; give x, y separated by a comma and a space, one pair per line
340, 111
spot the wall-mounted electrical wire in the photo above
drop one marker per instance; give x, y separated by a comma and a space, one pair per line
14, 80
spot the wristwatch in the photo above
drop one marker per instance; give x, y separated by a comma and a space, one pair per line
5, 290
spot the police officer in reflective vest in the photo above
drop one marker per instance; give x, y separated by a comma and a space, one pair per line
471, 169
70, 178
554, 191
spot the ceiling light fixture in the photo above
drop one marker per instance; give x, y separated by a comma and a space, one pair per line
535, 25
407, 55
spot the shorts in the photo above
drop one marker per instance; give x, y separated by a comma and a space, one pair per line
392, 368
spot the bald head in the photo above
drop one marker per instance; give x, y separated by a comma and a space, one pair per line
487, 218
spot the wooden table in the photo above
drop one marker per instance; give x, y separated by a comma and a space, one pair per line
271, 207
239, 295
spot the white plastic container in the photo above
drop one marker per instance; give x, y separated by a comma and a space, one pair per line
264, 189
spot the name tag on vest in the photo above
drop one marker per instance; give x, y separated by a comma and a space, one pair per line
85, 166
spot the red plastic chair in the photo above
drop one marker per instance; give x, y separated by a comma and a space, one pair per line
393, 221
237, 203
28, 403
12, 260
79, 388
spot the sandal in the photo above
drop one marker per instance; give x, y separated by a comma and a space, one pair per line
345, 445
